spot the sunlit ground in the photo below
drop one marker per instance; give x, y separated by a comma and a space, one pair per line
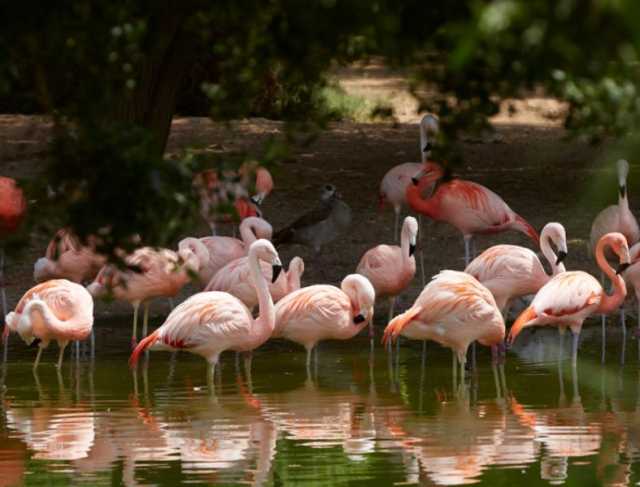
360, 421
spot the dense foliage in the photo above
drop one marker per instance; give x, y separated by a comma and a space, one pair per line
112, 75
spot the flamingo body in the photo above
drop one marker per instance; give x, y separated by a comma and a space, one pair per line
13, 206
455, 310
323, 312
235, 279
511, 271
58, 310
67, 258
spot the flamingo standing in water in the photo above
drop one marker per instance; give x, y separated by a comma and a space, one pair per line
390, 268
323, 312
152, 274
67, 258
455, 310
13, 207
511, 271
223, 250
468, 206
209, 323
570, 297
615, 218
236, 279
58, 310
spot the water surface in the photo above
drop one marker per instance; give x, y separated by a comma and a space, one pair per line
357, 422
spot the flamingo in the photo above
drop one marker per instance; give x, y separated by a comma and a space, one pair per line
58, 310
152, 273
13, 207
222, 250
393, 187
236, 279
632, 276
390, 268
208, 323
615, 218
67, 258
511, 271
323, 312
468, 206
570, 297
455, 310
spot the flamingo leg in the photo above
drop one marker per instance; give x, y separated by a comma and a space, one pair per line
574, 348
603, 322
248, 357
455, 370
496, 381
423, 362
211, 371
37, 361
134, 337
467, 250
624, 333
93, 344
396, 211
145, 320
309, 350
62, 345
420, 227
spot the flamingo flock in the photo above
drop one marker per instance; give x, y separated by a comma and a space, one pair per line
456, 308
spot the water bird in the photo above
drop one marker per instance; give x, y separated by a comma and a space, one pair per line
13, 207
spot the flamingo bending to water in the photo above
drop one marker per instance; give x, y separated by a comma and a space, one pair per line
455, 310
323, 312
209, 323
222, 250
390, 268
468, 206
511, 271
58, 310
570, 297
67, 258
153, 274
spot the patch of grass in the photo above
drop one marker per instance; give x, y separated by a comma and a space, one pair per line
341, 105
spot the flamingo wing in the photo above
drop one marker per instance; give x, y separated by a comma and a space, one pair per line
474, 203
319, 304
504, 261
567, 294
204, 317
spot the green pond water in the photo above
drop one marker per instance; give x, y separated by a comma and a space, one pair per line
361, 420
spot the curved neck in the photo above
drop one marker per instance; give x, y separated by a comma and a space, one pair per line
611, 302
404, 249
49, 319
293, 280
247, 234
266, 320
551, 256
419, 204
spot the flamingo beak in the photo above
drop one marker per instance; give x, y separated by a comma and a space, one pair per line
416, 179
33, 343
359, 318
412, 249
623, 191
561, 256
277, 268
427, 147
622, 267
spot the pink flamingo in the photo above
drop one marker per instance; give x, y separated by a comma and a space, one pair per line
209, 323
511, 271
468, 206
236, 278
323, 312
393, 187
455, 310
58, 310
13, 207
615, 218
390, 268
570, 297
67, 258
223, 250
152, 273
632, 277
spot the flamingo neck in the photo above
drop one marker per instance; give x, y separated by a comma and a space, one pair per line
551, 256
293, 280
610, 303
404, 250
247, 235
426, 206
266, 320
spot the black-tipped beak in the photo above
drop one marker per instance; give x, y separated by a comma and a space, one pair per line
623, 191
35, 343
255, 200
415, 180
561, 256
277, 269
622, 267
359, 318
412, 249
427, 147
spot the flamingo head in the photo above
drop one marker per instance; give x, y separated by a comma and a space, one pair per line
410, 232
265, 251
362, 296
